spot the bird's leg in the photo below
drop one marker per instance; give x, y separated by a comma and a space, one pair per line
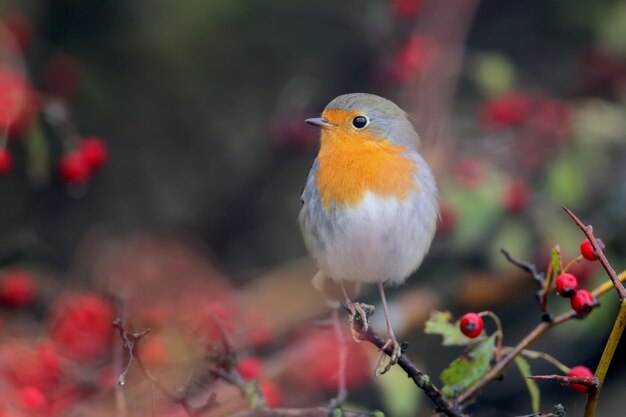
342, 392
391, 343
363, 311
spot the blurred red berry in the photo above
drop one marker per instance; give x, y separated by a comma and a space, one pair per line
470, 172
61, 76
583, 302
21, 28
18, 102
415, 57
6, 161
73, 168
319, 350
250, 368
587, 251
153, 350
272, 393
505, 110
407, 8
32, 399
94, 151
259, 330
471, 325
601, 72
580, 372
38, 367
552, 119
566, 285
81, 326
517, 195
17, 288
447, 219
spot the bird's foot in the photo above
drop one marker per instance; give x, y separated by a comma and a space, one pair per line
360, 312
386, 361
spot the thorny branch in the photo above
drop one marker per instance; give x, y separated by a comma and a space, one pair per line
618, 325
592, 383
130, 342
447, 406
495, 372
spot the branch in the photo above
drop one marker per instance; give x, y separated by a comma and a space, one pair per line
304, 412
588, 231
592, 383
130, 342
618, 325
525, 266
535, 334
443, 404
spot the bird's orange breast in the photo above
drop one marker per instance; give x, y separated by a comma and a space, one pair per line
354, 163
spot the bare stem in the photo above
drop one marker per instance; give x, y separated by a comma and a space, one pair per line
605, 359
443, 404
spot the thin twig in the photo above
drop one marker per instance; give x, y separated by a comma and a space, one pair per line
304, 412
618, 325
130, 344
526, 266
590, 382
588, 231
443, 404
495, 372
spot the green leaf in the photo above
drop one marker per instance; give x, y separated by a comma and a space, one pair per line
398, 394
38, 156
494, 73
465, 370
557, 263
566, 181
440, 323
533, 388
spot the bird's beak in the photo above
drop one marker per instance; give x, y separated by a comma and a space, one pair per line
318, 121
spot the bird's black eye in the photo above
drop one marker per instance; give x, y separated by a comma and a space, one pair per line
359, 122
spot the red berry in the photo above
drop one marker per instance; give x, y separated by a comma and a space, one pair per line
566, 285
17, 288
508, 109
272, 393
471, 325
81, 326
407, 8
414, 58
73, 168
580, 372
250, 368
470, 172
32, 399
583, 302
18, 102
586, 249
6, 161
94, 152
517, 196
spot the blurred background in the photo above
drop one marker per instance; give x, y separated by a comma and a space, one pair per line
153, 155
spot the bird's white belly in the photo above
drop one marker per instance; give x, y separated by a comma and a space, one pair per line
380, 240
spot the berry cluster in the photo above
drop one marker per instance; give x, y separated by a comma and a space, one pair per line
78, 165
21, 103
582, 301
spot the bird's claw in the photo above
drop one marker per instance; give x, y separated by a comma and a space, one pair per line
396, 351
360, 312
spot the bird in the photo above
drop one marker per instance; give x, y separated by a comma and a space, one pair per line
370, 203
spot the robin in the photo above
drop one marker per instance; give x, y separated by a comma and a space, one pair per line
370, 205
